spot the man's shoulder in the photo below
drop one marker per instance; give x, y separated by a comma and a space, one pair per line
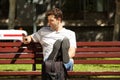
69, 31
45, 28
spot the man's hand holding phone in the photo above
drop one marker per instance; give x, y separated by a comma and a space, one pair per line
27, 39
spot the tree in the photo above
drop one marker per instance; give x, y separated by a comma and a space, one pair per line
12, 8
117, 22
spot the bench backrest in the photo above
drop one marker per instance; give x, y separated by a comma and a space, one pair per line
101, 50
19, 53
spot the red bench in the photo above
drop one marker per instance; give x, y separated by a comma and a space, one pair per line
97, 53
87, 53
19, 53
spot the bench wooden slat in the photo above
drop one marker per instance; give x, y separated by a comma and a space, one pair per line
95, 44
18, 44
10, 50
97, 55
11, 56
97, 61
11, 44
73, 73
32, 61
100, 49
20, 73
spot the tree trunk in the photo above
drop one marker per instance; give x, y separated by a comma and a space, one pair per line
117, 22
12, 7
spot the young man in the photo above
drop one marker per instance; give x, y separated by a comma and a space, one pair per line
47, 36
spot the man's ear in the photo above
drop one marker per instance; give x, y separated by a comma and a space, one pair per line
59, 19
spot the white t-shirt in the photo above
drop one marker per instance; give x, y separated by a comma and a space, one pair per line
47, 37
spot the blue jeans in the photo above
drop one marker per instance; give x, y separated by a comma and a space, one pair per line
69, 65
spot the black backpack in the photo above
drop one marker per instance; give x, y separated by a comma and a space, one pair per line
53, 70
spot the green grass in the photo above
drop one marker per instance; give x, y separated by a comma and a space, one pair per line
18, 67
95, 67
79, 67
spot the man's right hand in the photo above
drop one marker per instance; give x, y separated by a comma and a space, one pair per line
27, 39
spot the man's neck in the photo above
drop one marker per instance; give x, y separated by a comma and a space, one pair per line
60, 27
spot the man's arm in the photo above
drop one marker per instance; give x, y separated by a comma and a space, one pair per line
72, 51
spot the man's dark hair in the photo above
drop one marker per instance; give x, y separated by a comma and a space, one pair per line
56, 12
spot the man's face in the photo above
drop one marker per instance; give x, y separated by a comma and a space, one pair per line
53, 22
